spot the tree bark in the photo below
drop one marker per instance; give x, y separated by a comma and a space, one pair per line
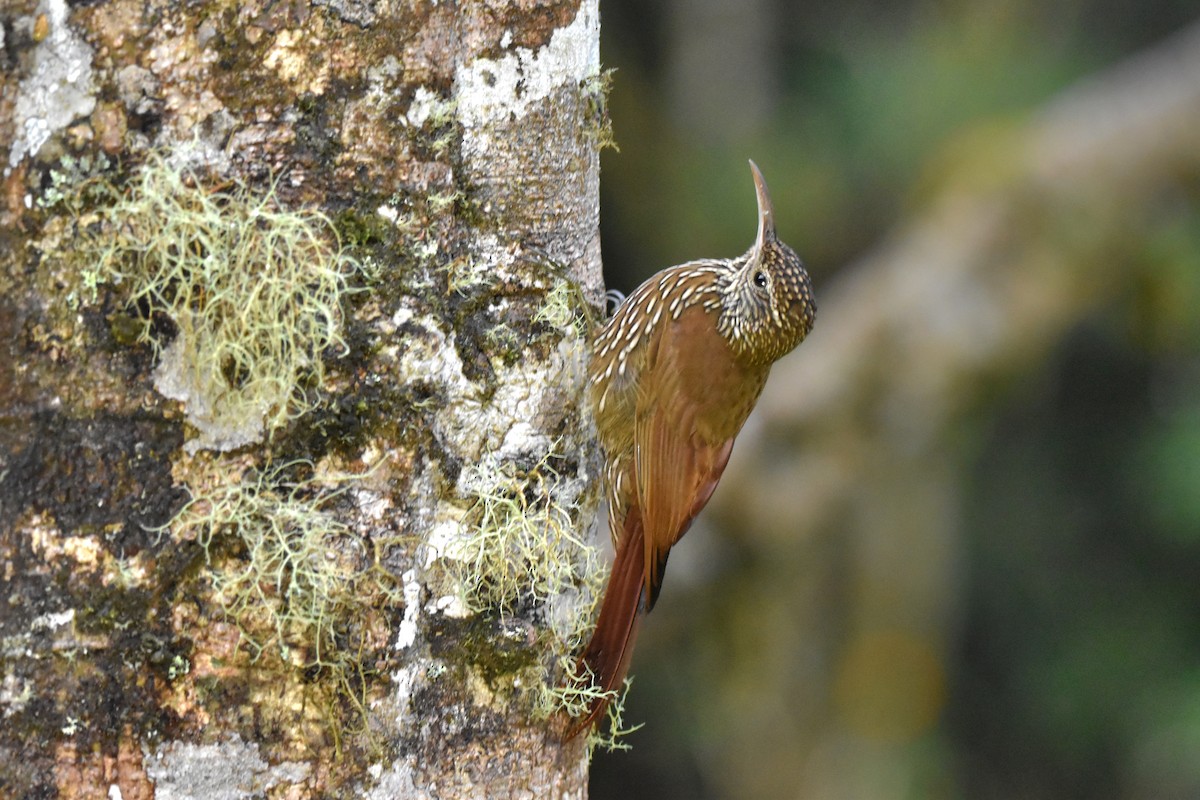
193, 610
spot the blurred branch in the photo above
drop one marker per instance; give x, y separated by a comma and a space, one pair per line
1029, 231
847, 478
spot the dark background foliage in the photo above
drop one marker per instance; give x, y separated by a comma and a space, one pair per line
1071, 664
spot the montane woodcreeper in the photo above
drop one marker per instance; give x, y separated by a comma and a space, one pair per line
674, 373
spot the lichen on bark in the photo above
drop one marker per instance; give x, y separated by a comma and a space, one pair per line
451, 363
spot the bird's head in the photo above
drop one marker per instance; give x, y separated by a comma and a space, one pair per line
768, 306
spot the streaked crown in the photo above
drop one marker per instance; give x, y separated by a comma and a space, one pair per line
767, 305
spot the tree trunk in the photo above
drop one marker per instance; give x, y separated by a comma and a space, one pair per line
278, 518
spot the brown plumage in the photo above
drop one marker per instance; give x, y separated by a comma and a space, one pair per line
674, 374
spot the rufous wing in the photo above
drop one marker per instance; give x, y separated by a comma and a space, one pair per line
681, 442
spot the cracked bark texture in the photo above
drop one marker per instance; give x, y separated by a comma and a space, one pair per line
455, 148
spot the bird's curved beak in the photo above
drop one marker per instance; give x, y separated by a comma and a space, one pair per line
766, 212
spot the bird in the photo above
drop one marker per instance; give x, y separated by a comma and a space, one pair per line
675, 372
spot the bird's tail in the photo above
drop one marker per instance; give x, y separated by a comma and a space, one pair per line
607, 655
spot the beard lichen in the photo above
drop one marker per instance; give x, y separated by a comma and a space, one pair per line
253, 290
521, 544
575, 697
520, 552
301, 586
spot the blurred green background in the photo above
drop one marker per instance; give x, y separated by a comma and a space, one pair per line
1011, 607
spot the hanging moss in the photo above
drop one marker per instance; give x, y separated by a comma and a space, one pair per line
254, 292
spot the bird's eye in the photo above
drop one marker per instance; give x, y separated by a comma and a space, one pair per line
760, 279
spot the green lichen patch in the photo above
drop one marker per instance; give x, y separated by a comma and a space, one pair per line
361, 229
500, 322
565, 309
369, 410
300, 585
519, 556
522, 545
254, 292
575, 697
78, 182
598, 124
495, 648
